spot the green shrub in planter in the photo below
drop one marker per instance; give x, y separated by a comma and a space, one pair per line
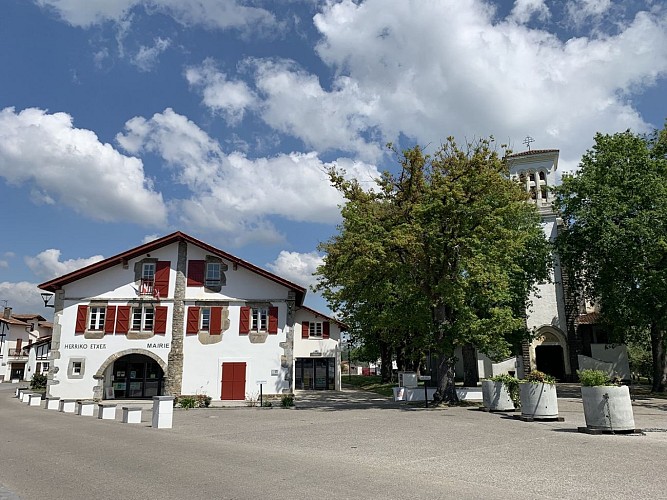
38, 381
593, 378
511, 385
538, 377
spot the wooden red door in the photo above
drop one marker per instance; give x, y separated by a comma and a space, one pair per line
233, 382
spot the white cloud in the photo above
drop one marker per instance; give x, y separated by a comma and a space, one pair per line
235, 194
147, 57
149, 237
4, 264
525, 9
297, 267
456, 69
581, 10
24, 298
230, 98
220, 14
47, 264
70, 166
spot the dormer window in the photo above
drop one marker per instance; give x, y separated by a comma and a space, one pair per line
213, 273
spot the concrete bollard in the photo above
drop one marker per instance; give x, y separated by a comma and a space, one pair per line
66, 405
163, 411
131, 414
35, 399
106, 411
52, 403
85, 408
18, 393
25, 398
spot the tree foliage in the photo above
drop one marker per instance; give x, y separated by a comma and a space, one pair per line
440, 255
615, 239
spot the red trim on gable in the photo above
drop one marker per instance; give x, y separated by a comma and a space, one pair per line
58, 283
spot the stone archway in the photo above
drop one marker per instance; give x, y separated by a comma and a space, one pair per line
98, 390
549, 352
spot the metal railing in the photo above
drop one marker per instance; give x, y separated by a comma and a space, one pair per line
18, 353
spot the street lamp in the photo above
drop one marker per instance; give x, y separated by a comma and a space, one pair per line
46, 297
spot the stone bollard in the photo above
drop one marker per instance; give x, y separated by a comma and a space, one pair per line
163, 411
85, 408
25, 398
131, 414
35, 399
52, 403
106, 411
66, 405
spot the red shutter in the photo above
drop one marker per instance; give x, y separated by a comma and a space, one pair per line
81, 318
273, 320
304, 330
325, 330
160, 324
215, 326
162, 278
109, 320
196, 272
244, 321
192, 325
123, 320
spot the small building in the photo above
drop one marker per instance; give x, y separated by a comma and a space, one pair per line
16, 332
178, 316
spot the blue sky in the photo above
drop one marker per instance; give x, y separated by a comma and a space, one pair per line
124, 120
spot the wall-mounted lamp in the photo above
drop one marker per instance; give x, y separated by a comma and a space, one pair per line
46, 297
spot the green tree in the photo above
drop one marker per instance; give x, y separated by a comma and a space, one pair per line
449, 246
615, 237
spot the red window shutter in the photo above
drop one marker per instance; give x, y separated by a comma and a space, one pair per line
123, 320
160, 324
305, 330
192, 326
215, 326
162, 278
273, 320
325, 330
196, 272
109, 320
244, 320
81, 318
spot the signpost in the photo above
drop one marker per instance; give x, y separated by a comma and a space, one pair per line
261, 383
425, 378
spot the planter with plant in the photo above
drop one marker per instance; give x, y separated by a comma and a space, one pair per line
607, 405
538, 396
500, 393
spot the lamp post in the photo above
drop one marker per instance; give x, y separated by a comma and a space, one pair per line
46, 297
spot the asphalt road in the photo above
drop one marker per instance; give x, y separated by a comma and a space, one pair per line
333, 446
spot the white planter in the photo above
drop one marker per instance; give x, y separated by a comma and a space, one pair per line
611, 413
538, 400
496, 397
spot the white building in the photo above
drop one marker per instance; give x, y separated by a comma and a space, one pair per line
178, 316
18, 331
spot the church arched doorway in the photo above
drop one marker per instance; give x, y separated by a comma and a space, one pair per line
550, 359
136, 376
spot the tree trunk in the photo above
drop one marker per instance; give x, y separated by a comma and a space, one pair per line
658, 353
470, 371
400, 358
446, 391
385, 362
